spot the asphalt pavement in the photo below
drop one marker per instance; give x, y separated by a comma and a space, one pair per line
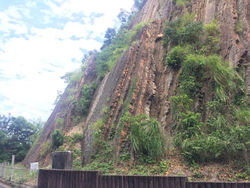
4, 186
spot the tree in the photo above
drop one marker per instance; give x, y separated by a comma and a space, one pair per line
138, 4
109, 35
16, 137
123, 16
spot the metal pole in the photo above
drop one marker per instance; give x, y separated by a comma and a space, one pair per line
12, 167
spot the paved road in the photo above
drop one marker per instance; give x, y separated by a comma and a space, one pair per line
4, 186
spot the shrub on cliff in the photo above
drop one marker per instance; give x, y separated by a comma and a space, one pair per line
146, 137
57, 139
107, 58
183, 30
176, 56
82, 106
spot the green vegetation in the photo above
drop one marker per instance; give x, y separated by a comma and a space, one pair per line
45, 149
181, 3
239, 27
146, 137
77, 162
212, 38
176, 56
87, 93
211, 121
57, 139
16, 137
76, 77
75, 138
108, 57
60, 121
126, 108
73, 77
183, 31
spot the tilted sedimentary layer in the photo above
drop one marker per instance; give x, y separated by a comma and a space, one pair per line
142, 64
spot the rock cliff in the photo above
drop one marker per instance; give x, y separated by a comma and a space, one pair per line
140, 77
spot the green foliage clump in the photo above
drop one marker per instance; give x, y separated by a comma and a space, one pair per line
75, 138
77, 163
183, 31
45, 148
57, 139
103, 150
212, 38
146, 137
108, 57
176, 56
181, 3
214, 129
192, 74
60, 121
104, 167
239, 27
76, 77
16, 137
216, 139
73, 77
86, 96
223, 77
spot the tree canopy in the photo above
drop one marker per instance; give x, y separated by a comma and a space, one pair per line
16, 137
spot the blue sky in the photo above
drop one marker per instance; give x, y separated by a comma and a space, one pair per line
42, 40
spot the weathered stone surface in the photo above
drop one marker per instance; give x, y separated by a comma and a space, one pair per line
143, 62
62, 110
62, 160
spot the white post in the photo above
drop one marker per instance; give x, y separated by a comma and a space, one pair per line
12, 167
1, 169
4, 170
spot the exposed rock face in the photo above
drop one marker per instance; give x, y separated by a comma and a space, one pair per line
142, 64
63, 110
144, 59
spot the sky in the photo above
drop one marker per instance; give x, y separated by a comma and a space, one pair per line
40, 41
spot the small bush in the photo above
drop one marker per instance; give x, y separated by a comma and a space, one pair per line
73, 77
190, 126
183, 31
75, 138
176, 56
181, 104
60, 121
146, 137
103, 150
57, 139
225, 78
239, 27
212, 38
86, 96
76, 77
181, 3
45, 148
192, 75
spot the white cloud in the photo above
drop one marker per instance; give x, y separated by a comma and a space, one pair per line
31, 67
11, 20
108, 7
